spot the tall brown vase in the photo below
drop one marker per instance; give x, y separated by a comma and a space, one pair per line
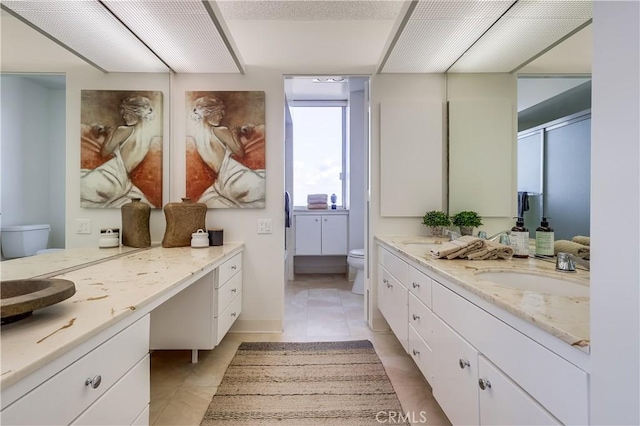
135, 224
183, 219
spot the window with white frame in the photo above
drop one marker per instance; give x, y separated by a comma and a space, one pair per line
319, 143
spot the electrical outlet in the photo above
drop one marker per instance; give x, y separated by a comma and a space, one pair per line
264, 226
83, 226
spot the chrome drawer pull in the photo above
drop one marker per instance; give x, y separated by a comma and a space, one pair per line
386, 281
416, 285
389, 285
484, 384
234, 267
95, 382
464, 363
416, 352
233, 290
233, 314
416, 317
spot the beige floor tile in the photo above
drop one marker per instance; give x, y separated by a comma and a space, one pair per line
160, 397
208, 372
187, 407
402, 371
169, 369
386, 344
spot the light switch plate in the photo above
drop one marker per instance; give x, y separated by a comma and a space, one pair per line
264, 226
83, 226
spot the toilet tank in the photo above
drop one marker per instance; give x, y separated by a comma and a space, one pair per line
24, 240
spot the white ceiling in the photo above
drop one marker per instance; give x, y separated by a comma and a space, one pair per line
316, 37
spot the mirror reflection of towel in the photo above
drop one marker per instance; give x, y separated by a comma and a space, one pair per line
523, 203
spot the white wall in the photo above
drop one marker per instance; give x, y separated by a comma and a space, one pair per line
387, 87
33, 155
263, 272
615, 195
533, 90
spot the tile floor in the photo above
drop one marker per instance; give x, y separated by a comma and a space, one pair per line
317, 308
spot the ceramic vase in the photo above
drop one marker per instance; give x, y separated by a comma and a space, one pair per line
183, 219
135, 224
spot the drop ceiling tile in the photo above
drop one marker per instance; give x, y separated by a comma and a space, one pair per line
90, 30
182, 33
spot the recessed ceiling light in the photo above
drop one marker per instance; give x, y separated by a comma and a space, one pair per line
330, 80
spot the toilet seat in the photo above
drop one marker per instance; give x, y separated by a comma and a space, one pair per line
357, 253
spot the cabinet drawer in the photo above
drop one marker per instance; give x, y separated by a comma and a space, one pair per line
394, 305
421, 319
143, 418
392, 263
63, 396
420, 285
558, 385
229, 269
121, 404
228, 317
505, 403
227, 293
422, 354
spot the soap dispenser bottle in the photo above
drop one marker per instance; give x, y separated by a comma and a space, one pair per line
520, 239
544, 239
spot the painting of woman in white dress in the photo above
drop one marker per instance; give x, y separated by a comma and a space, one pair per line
121, 148
226, 149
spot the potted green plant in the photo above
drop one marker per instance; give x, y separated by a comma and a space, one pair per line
436, 221
466, 221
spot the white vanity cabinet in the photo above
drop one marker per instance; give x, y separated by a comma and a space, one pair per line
482, 370
199, 316
321, 234
109, 384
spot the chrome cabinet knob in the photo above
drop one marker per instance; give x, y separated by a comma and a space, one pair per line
233, 290
233, 314
416, 317
389, 285
95, 382
416, 352
234, 267
386, 281
463, 363
416, 285
484, 384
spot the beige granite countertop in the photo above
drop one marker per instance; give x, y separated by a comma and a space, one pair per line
565, 317
106, 293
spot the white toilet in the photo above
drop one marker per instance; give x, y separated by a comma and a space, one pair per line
24, 240
356, 260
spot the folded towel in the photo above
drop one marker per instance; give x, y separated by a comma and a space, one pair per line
581, 239
317, 198
571, 247
317, 206
491, 251
472, 248
457, 248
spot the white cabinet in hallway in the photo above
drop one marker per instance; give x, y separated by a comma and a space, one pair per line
321, 234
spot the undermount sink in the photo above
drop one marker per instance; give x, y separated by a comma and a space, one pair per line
19, 298
535, 282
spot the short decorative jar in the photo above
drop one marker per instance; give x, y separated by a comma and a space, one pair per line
135, 224
183, 219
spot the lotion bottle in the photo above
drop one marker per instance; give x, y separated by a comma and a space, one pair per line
544, 239
520, 239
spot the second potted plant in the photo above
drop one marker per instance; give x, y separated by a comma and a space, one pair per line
466, 221
436, 221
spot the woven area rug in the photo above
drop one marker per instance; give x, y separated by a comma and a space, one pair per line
328, 383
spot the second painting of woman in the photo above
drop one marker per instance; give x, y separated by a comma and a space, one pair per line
225, 149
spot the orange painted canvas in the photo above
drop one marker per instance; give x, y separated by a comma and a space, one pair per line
120, 148
225, 149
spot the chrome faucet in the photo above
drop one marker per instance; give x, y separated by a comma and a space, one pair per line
499, 234
566, 262
453, 235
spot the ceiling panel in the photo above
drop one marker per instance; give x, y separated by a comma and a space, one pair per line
438, 32
182, 33
525, 31
91, 31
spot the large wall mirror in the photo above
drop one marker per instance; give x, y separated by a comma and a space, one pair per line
554, 153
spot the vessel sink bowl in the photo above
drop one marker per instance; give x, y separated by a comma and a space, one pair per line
19, 298
530, 281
